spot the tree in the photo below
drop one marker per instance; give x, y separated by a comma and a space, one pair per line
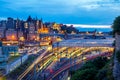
100, 62
87, 74
90, 69
102, 75
88, 65
116, 31
116, 25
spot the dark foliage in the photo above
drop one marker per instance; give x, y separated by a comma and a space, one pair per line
116, 25
90, 69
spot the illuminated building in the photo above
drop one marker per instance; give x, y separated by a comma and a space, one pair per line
32, 36
19, 25
25, 25
31, 28
11, 34
56, 26
9, 48
32, 33
20, 34
25, 30
37, 25
43, 29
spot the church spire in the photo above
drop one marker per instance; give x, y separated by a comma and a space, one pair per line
29, 19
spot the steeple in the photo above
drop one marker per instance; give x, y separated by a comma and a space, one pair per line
29, 19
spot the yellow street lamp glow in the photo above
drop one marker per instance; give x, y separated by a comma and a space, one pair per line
38, 38
22, 38
8, 44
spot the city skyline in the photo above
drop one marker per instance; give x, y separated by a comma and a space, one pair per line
59, 39
61, 11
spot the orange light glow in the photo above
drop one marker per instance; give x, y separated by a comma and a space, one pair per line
13, 37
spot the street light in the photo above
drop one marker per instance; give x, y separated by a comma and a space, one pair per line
13, 37
22, 38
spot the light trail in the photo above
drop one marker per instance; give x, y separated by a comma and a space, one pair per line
78, 62
32, 65
39, 59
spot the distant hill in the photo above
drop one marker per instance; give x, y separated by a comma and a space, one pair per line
93, 29
99, 28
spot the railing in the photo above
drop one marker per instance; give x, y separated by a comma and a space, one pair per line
85, 43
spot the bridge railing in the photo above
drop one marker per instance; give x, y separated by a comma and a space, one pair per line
85, 43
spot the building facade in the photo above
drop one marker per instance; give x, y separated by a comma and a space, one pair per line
11, 34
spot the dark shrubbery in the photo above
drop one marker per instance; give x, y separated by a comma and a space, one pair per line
86, 74
116, 25
91, 69
101, 75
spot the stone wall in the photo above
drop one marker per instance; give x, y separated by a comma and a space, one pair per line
116, 68
117, 42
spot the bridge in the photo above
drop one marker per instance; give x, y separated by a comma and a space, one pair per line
85, 43
68, 36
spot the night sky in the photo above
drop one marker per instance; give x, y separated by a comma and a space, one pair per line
101, 12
